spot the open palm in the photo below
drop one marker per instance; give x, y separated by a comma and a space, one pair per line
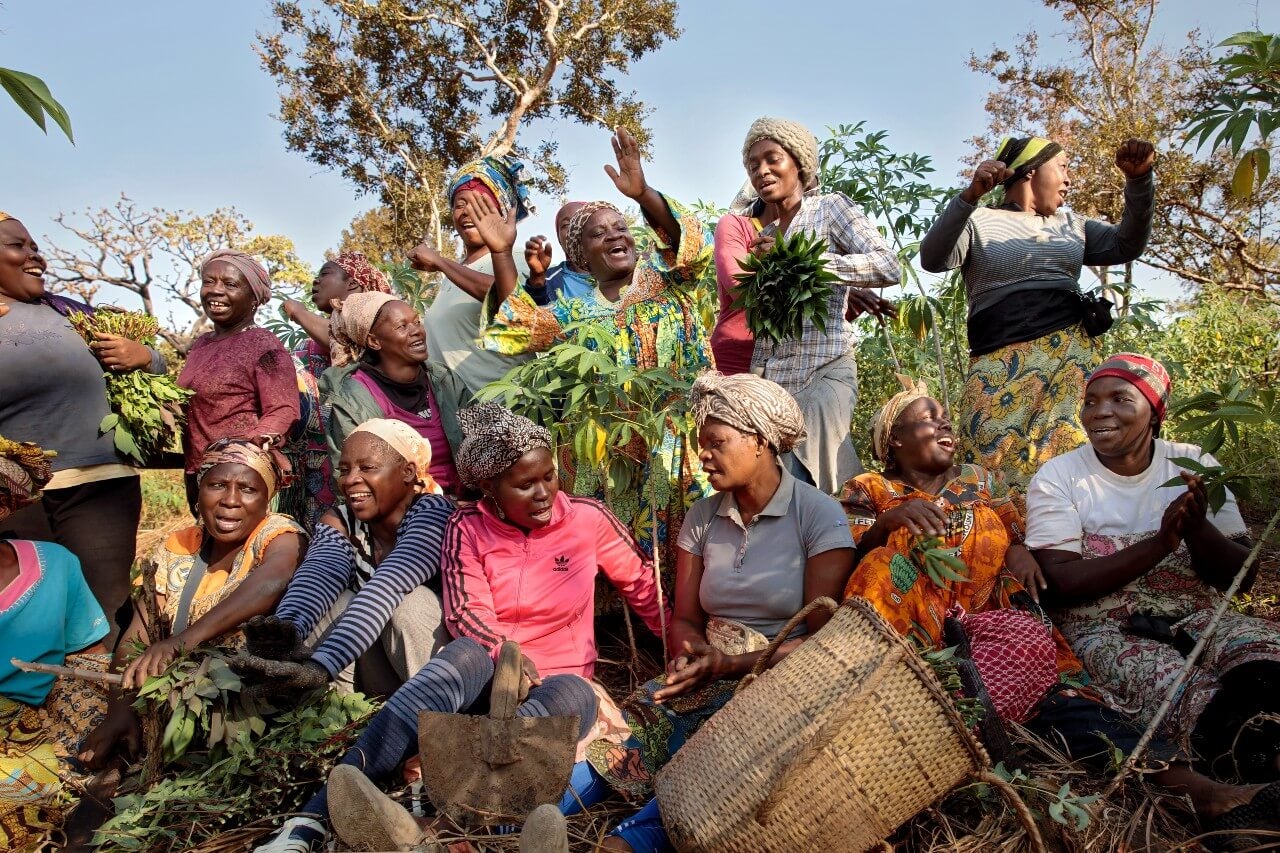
629, 176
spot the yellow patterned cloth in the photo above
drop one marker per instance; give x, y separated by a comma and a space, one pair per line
1021, 405
35, 754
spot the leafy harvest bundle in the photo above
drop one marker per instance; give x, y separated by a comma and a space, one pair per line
146, 410
785, 286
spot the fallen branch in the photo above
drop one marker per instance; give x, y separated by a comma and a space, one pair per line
68, 672
1209, 631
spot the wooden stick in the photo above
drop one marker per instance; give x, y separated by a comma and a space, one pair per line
1209, 631
68, 672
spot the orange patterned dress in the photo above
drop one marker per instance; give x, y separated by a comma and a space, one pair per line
982, 522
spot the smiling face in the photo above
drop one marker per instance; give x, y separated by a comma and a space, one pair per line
225, 295
462, 222
526, 491
773, 172
397, 335
608, 245
375, 480
922, 439
731, 458
332, 282
233, 501
1117, 418
1049, 185
21, 264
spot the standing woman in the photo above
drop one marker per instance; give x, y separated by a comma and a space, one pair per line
381, 370
817, 368
311, 494
650, 302
244, 381
52, 392
1030, 352
453, 320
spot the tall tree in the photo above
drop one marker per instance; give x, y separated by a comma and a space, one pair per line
155, 254
1118, 81
397, 94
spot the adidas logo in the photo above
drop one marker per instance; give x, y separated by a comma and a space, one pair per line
562, 564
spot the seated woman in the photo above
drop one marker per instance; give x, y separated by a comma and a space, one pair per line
311, 494
244, 381
1135, 571
210, 577
367, 596
47, 613
650, 303
923, 494
519, 565
750, 558
381, 370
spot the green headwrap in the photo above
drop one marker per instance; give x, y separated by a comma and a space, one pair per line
1025, 154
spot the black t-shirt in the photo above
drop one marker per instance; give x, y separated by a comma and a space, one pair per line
1022, 316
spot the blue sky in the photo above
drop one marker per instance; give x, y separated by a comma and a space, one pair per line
170, 106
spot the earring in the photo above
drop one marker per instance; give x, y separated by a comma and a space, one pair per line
497, 509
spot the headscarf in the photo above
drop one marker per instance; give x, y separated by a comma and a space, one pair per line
574, 251
242, 451
406, 441
882, 423
501, 176
1145, 374
350, 323
794, 137
24, 471
4, 216
1025, 154
367, 277
495, 438
748, 403
254, 273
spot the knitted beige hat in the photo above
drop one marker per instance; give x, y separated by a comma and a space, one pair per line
794, 137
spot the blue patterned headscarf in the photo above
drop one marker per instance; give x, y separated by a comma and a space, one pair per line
501, 175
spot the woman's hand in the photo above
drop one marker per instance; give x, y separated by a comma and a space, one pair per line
119, 354
863, 300
1171, 523
537, 254
629, 176
985, 178
1197, 504
530, 677
701, 663
497, 231
269, 636
1135, 157
154, 660
293, 309
425, 258
761, 245
120, 727
919, 516
1019, 563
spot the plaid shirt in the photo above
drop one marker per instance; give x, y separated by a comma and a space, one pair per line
860, 257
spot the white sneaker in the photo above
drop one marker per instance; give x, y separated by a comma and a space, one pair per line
311, 837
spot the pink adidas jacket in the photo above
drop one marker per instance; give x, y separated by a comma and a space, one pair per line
539, 588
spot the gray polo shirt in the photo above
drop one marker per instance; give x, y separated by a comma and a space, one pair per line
754, 573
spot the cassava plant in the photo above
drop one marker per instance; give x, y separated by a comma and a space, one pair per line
147, 409
784, 287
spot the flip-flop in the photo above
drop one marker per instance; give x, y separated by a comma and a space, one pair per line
1230, 830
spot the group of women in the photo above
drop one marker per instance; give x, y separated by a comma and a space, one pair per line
418, 531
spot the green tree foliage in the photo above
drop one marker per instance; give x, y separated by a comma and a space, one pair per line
397, 94
155, 254
1116, 82
33, 96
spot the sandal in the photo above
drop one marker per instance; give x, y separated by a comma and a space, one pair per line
1235, 829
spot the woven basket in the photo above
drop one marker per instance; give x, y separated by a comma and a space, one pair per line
846, 739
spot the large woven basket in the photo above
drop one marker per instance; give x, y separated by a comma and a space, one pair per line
846, 739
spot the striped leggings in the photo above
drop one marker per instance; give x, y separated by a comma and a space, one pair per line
454, 680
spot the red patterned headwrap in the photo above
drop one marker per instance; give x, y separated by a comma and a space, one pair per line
367, 277
1146, 374
476, 185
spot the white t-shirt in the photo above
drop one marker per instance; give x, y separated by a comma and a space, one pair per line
1076, 504
453, 324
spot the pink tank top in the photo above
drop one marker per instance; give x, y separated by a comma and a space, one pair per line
429, 427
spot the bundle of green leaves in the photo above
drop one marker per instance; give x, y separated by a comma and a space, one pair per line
939, 563
784, 287
146, 409
947, 670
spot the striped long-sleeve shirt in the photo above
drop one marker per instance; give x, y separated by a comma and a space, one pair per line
333, 564
538, 588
